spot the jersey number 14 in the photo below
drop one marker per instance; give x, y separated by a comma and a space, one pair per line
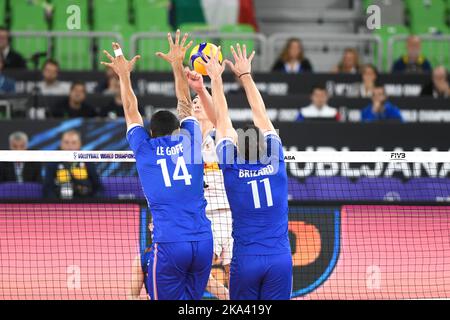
179, 168
255, 191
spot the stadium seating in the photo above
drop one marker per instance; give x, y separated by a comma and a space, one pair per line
151, 15
327, 16
28, 17
109, 13
131, 16
240, 28
125, 30
71, 52
438, 52
198, 28
426, 15
386, 32
392, 12
2, 12
60, 13
112, 16
147, 49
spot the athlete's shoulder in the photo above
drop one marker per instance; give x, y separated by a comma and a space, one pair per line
274, 147
137, 135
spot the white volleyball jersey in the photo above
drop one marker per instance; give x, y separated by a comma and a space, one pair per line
215, 193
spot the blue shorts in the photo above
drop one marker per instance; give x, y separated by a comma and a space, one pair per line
261, 277
179, 270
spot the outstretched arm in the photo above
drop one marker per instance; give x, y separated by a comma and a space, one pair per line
175, 57
195, 81
122, 67
242, 67
224, 126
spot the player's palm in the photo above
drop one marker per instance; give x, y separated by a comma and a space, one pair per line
213, 65
177, 50
242, 64
120, 65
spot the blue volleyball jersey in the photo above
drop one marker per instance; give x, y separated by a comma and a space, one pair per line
258, 197
170, 169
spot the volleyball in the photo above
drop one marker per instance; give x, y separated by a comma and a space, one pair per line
209, 50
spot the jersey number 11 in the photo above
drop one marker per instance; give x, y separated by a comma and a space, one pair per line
255, 191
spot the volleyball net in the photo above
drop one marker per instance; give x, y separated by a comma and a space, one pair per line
362, 225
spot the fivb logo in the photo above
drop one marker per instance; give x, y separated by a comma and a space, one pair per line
374, 17
398, 156
74, 20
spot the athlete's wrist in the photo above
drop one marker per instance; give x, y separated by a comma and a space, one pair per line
124, 75
177, 63
245, 76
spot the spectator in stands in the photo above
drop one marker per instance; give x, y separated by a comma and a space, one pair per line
369, 74
319, 108
413, 61
11, 58
113, 86
74, 106
51, 86
71, 180
114, 109
380, 109
349, 62
439, 86
20, 171
292, 58
7, 85
109, 84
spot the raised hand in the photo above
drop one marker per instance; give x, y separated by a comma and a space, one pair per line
177, 50
213, 65
242, 64
120, 65
195, 80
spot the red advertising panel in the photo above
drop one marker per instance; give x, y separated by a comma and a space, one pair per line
390, 252
67, 251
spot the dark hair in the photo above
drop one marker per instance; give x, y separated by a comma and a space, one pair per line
378, 85
163, 123
3, 28
77, 83
207, 89
72, 131
284, 54
320, 87
251, 146
370, 66
50, 61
